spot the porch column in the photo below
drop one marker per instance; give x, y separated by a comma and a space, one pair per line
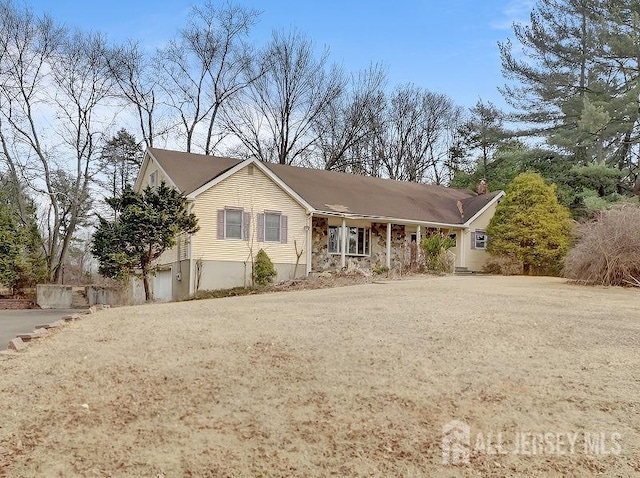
388, 245
419, 236
309, 241
343, 240
463, 248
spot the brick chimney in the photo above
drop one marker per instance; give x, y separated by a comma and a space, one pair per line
482, 186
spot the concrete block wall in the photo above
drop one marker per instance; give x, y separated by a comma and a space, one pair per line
53, 296
130, 294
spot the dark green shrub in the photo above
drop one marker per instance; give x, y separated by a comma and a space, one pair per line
263, 270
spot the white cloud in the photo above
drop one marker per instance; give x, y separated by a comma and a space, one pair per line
514, 11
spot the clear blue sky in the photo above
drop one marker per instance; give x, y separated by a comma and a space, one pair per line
446, 46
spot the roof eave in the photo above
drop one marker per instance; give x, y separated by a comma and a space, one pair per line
495, 199
270, 174
147, 158
394, 220
143, 166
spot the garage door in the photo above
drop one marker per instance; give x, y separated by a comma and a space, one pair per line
162, 286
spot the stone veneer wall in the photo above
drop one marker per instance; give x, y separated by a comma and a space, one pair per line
321, 260
379, 245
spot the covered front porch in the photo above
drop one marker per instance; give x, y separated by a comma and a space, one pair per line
343, 241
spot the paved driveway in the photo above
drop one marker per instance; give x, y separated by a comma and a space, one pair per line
14, 322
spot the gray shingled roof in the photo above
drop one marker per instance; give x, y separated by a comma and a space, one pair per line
331, 191
189, 171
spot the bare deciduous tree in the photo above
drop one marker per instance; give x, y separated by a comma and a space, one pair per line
274, 117
412, 139
204, 67
348, 121
53, 86
134, 73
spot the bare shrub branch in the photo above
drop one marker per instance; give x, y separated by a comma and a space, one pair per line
607, 249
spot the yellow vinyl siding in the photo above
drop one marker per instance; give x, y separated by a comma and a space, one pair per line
254, 193
150, 168
476, 258
179, 252
169, 256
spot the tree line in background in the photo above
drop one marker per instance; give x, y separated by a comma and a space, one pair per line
572, 82
572, 74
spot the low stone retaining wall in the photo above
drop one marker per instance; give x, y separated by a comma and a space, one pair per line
21, 342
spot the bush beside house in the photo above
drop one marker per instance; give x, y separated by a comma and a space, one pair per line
435, 247
607, 249
263, 269
531, 227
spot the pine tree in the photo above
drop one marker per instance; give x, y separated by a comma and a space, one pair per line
573, 80
146, 225
530, 225
560, 66
22, 262
120, 161
482, 134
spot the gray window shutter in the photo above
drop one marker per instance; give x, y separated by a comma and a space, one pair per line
220, 224
473, 239
260, 227
283, 229
246, 225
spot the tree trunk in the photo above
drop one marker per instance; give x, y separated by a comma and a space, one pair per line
526, 268
147, 288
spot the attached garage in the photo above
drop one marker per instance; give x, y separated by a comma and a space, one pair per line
162, 286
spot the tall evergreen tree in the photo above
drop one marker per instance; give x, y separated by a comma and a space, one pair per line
481, 135
574, 79
554, 68
22, 261
146, 225
621, 46
120, 161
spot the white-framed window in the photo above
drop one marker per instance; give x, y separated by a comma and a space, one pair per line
272, 226
153, 179
479, 240
358, 240
335, 244
233, 224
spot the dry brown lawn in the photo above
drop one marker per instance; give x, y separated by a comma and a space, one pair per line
353, 381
